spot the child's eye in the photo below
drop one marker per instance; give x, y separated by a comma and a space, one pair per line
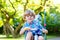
27, 16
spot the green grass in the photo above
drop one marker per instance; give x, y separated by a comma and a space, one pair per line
51, 36
3, 37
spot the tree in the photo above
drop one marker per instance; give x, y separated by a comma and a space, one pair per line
12, 11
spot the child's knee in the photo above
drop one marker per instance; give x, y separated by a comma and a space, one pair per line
29, 35
40, 38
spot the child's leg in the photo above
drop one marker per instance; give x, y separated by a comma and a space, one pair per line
29, 36
40, 38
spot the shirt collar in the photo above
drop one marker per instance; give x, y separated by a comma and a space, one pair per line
29, 23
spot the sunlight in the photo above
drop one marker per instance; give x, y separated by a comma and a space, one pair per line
20, 7
37, 1
56, 2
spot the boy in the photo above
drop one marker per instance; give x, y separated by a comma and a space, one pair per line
32, 27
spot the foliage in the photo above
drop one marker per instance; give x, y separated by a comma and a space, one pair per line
52, 18
11, 12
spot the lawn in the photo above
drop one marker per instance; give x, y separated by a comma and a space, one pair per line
3, 37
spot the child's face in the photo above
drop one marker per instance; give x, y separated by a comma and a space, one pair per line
29, 18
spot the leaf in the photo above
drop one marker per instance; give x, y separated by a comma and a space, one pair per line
1, 23
11, 21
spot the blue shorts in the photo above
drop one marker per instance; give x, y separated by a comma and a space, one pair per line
35, 33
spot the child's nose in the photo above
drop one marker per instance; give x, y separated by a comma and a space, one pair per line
29, 16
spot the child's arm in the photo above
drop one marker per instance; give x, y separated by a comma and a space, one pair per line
23, 30
43, 29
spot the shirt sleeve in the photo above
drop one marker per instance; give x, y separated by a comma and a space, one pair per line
40, 26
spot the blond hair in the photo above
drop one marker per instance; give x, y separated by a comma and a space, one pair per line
29, 13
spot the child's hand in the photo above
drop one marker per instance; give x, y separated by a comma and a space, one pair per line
27, 28
45, 31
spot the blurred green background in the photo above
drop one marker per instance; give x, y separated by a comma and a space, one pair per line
11, 16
